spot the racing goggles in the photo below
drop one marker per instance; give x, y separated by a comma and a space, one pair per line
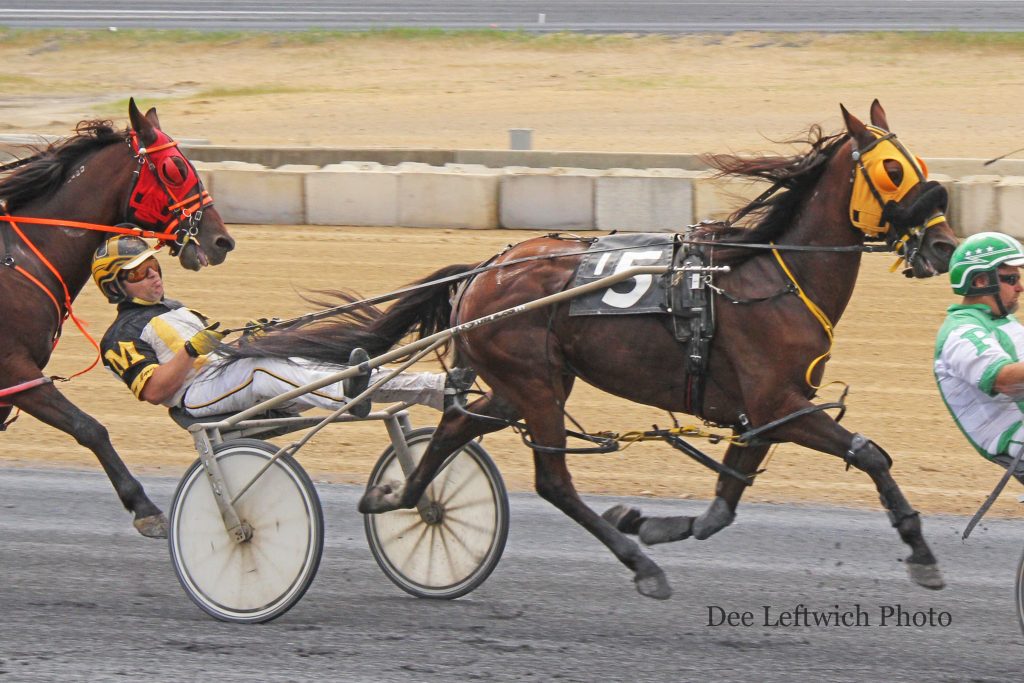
140, 272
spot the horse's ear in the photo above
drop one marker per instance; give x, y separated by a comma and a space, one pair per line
878, 115
155, 120
141, 124
858, 131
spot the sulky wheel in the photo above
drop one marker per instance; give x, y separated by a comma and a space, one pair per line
261, 578
448, 545
1020, 592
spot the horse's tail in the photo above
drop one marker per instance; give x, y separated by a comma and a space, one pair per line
423, 311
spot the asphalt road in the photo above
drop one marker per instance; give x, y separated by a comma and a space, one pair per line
605, 16
84, 598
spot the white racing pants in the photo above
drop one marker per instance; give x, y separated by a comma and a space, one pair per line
249, 381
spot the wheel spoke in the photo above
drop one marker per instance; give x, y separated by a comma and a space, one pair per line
414, 547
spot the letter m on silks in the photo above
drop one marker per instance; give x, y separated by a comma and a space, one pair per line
125, 357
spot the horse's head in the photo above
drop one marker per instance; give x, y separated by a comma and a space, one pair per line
893, 199
167, 196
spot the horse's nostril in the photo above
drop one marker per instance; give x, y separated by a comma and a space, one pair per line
945, 249
227, 243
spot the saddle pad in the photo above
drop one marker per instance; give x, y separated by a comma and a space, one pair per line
615, 253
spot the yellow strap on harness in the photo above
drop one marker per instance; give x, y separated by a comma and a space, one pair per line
819, 315
630, 438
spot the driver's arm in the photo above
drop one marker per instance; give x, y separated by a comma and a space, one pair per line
167, 378
1010, 380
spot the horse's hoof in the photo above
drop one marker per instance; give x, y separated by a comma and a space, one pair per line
369, 504
381, 498
154, 526
625, 518
926, 575
654, 586
665, 529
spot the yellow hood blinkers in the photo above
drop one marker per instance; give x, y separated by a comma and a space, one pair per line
873, 188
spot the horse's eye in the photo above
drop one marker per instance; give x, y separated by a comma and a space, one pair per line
174, 170
895, 171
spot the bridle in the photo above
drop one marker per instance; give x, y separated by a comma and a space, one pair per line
177, 221
904, 237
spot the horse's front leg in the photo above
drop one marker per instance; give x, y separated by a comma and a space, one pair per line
48, 405
820, 432
720, 514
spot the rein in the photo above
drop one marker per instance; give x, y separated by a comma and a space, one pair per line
313, 316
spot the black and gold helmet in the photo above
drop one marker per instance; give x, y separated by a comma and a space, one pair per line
118, 253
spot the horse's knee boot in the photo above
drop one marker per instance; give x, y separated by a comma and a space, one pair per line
625, 518
655, 530
714, 519
866, 455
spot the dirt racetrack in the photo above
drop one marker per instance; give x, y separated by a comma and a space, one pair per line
721, 93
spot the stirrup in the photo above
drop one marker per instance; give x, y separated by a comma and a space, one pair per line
353, 386
456, 384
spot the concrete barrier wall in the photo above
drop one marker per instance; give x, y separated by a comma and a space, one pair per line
474, 196
531, 189
273, 157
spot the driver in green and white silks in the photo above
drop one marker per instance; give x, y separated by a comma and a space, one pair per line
980, 347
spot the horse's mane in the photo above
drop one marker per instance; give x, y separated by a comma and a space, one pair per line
797, 175
46, 170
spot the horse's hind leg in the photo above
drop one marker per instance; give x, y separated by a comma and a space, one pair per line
48, 405
454, 431
719, 514
554, 484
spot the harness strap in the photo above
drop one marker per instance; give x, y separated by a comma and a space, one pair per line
24, 386
59, 223
818, 314
68, 310
34, 280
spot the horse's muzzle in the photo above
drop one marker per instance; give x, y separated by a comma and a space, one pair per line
932, 199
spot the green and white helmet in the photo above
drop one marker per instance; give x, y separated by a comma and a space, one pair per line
982, 253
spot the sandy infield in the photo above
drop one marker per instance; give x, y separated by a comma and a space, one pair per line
693, 94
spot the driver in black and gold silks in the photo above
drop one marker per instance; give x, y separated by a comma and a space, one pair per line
165, 352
